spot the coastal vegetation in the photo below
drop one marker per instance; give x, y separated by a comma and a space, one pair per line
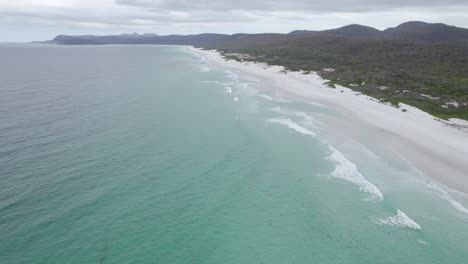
416, 63
430, 76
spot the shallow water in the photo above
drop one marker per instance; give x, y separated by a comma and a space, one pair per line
147, 154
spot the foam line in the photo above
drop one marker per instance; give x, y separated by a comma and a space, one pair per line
291, 124
317, 104
204, 68
446, 196
400, 219
346, 170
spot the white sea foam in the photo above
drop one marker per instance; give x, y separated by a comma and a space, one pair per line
204, 68
400, 219
441, 190
291, 124
418, 129
303, 115
446, 196
277, 110
269, 98
310, 121
280, 100
282, 111
228, 83
231, 75
246, 89
236, 99
220, 83
346, 170
420, 241
317, 104
228, 90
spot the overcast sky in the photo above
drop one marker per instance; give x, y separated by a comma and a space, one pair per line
26, 20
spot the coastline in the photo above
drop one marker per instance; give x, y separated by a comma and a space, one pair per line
436, 148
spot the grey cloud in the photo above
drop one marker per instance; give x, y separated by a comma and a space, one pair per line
222, 16
126, 19
291, 5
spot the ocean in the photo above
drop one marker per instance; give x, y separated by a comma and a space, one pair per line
148, 154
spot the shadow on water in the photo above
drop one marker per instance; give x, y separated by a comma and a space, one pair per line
104, 253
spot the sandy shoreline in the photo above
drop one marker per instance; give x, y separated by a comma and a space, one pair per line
438, 149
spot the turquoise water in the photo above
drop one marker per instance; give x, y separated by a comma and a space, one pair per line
146, 154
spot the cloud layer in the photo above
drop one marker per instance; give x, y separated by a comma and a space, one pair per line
24, 20
291, 5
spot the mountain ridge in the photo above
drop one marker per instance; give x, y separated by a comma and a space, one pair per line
412, 31
416, 63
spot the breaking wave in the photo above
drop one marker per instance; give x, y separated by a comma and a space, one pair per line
291, 124
204, 68
228, 90
346, 170
446, 196
317, 104
269, 98
400, 219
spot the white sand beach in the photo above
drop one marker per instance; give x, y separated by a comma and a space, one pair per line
439, 149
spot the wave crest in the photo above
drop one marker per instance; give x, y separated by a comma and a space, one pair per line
228, 90
291, 124
400, 219
346, 170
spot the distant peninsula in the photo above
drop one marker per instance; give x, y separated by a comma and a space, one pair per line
417, 63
